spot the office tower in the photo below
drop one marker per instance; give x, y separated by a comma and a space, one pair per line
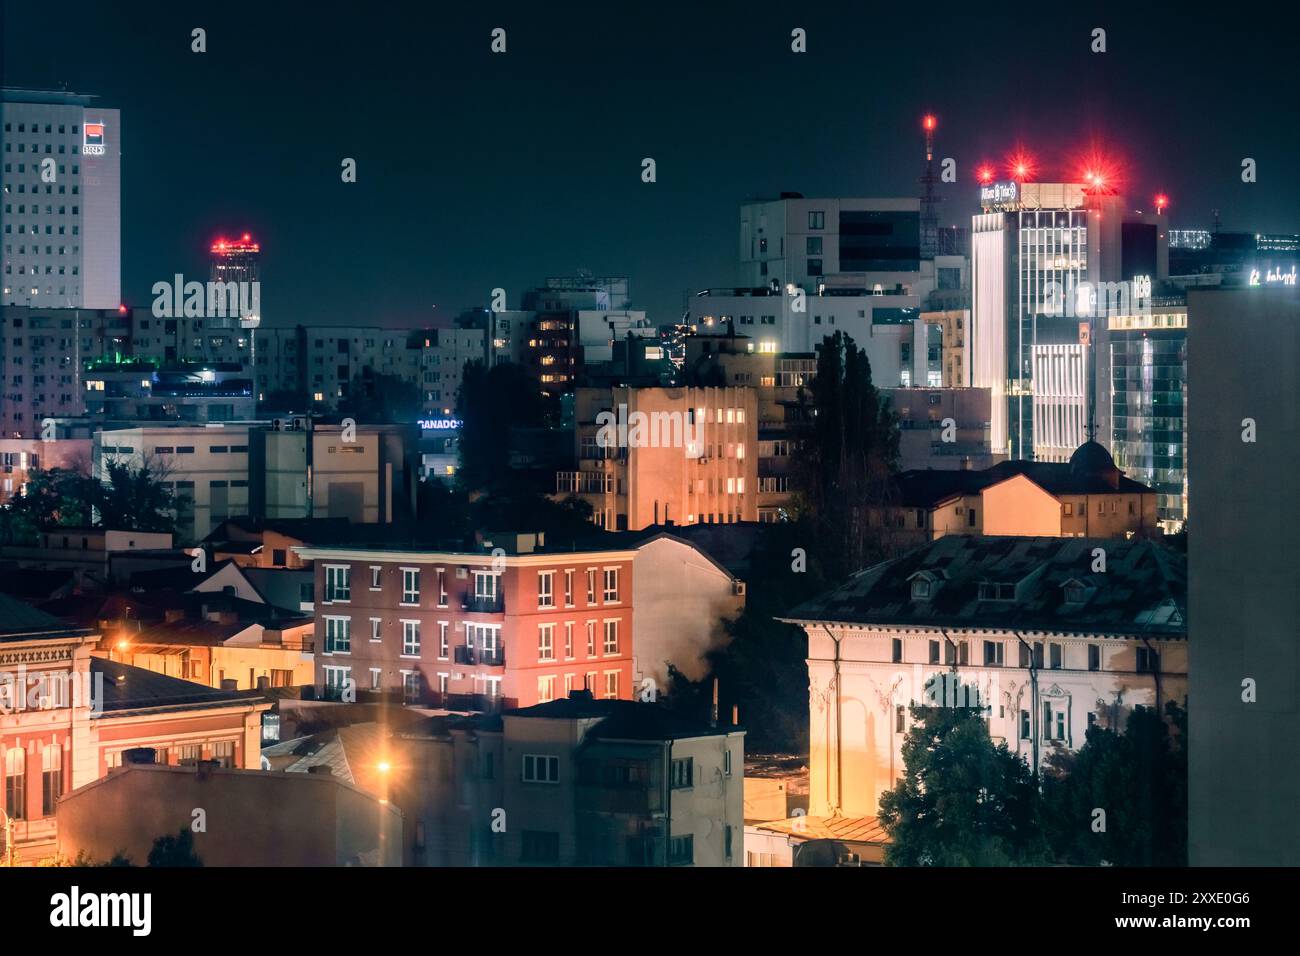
61, 185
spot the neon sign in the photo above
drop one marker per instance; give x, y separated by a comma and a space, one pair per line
1273, 277
439, 424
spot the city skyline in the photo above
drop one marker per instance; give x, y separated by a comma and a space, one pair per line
229, 144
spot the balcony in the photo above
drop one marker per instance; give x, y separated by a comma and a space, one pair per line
483, 605
488, 657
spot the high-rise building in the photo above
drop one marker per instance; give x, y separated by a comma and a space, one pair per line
61, 186
1046, 260
1243, 348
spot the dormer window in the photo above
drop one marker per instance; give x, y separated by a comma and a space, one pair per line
992, 591
925, 584
1075, 592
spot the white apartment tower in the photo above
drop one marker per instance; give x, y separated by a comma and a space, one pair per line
61, 181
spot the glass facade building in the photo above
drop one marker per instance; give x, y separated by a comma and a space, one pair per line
1148, 440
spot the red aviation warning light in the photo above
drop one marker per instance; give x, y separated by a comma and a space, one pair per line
234, 247
929, 122
1021, 165
1162, 203
984, 174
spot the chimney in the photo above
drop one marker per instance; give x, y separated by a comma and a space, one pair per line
735, 715
204, 768
263, 683
229, 683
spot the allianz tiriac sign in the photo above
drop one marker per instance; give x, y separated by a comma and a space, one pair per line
1003, 195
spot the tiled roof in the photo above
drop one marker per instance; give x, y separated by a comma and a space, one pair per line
127, 688
845, 829
1143, 588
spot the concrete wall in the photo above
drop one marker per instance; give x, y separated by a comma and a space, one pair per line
1244, 599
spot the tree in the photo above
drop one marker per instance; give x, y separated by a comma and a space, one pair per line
848, 451
1121, 799
963, 800
376, 397
491, 403
54, 497
174, 850
136, 498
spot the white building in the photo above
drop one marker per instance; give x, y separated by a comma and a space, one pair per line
207, 467
62, 194
1026, 628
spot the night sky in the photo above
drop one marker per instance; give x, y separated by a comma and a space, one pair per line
478, 170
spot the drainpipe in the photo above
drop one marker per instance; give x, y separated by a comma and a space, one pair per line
1033, 694
668, 803
1155, 674
839, 746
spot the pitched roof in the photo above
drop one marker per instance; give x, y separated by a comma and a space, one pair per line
845, 829
1143, 588
622, 719
1090, 471
22, 622
127, 689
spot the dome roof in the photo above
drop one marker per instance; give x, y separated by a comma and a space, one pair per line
1091, 460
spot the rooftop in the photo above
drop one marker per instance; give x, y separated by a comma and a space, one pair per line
1023, 583
622, 719
127, 689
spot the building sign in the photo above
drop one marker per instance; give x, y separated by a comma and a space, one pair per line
1000, 196
1141, 287
1085, 333
440, 424
1273, 277
93, 139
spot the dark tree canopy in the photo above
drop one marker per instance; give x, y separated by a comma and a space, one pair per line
963, 800
491, 403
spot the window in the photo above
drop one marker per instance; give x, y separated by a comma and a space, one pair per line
338, 635
411, 638
897, 650
1054, 655
611, 638
412, 687
376, 629
546, 642
1060, 726
190, 754
568, 589
410, 585
444, 645
541, 768
993, 653
223, 752
934, 652
16, 783
726, 763
1025, 732
278, 557
681, 850
591, 585
611, 685
1148, 661
900, 719
442, 587
816, 219
538, 846
683, 773
611, 585
545, 589
338, 582
545, 689
1094, 657
591, 638
568, 640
